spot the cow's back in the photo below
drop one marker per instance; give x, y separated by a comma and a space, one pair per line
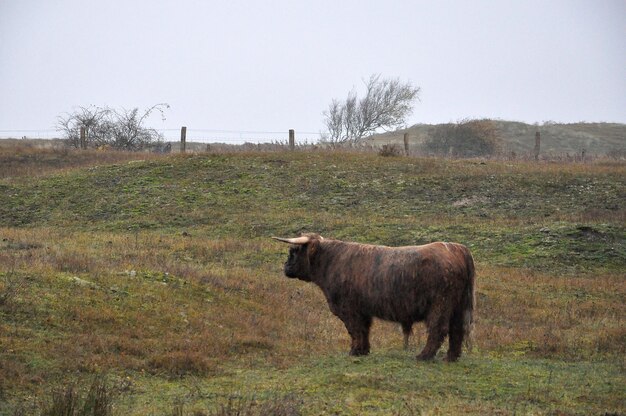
398, 283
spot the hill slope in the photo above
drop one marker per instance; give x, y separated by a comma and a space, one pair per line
161, 274
594, 138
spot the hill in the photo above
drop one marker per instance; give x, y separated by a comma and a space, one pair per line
594, 138
159, 277
556, 139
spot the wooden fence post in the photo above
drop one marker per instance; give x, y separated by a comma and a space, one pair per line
183, 139
292, 139
537, 145
83, 138
406, 143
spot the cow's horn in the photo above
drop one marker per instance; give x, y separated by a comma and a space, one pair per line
296, 240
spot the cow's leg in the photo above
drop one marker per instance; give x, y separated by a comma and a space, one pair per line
406, 331
359, 329
437, 324
455, 338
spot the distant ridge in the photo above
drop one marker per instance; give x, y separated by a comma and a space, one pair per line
594, 138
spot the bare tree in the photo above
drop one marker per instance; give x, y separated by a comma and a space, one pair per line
120, 129
386, 104
93, 119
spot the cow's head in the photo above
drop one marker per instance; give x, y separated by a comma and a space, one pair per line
301, 252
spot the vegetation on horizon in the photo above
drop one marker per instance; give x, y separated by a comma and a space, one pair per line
559, 141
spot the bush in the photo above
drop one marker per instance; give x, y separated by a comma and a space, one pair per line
108, 127
389, 150
467, 138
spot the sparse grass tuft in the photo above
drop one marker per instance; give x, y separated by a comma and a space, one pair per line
287, 405
10, 287
180, 364
98, 401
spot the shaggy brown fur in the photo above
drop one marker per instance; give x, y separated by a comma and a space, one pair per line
432, 283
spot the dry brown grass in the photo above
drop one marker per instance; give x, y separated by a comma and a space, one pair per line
24, 160
103, 301
548, 316
176, 306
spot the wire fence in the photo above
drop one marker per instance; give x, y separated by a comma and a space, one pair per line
193, 135
30, 134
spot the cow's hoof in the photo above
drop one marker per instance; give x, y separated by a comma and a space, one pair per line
422, 357
451, 358
358, 353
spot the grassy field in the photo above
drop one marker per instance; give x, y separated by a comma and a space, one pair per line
159, 277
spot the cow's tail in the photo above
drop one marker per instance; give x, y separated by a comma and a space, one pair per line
469, 303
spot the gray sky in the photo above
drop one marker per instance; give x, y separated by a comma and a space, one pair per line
275, 65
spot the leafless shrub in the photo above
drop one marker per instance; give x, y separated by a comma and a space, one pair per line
128, 132
107, 127
94, 119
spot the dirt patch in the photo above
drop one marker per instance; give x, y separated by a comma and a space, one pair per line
469, 201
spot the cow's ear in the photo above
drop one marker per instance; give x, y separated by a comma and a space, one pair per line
312, 248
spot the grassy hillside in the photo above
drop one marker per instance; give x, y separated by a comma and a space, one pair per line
20, 158
556, 139
160, 276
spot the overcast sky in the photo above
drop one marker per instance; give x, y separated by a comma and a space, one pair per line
276, 65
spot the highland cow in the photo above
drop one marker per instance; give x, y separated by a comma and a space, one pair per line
432, 283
